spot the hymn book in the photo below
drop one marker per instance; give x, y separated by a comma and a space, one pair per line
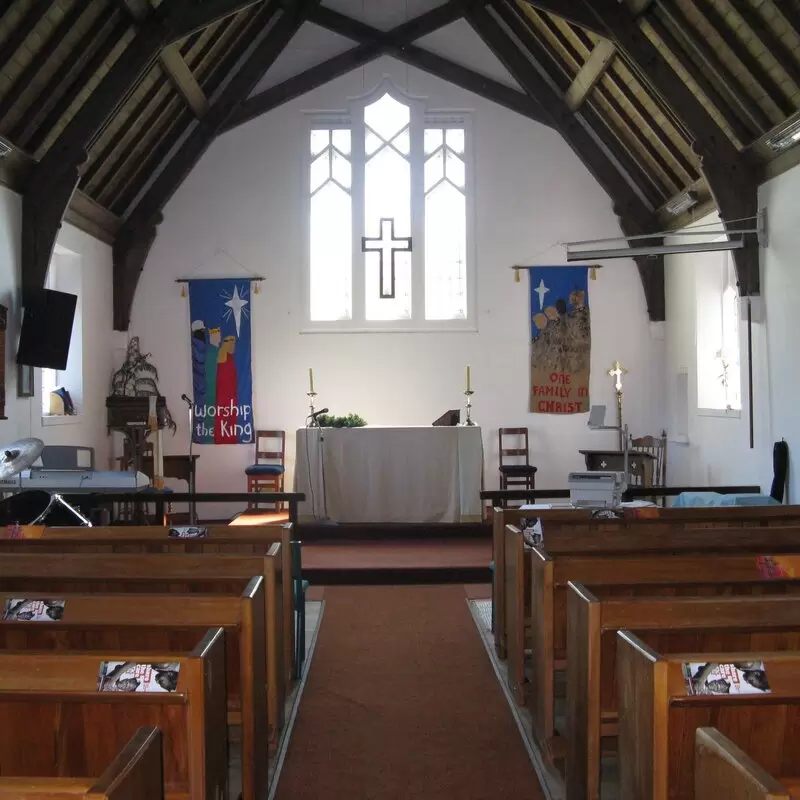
24, 610
744, 677
130, 676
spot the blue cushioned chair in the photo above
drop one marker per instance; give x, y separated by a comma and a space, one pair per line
266, 473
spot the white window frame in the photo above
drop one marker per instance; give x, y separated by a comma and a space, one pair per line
420, 119
728, 280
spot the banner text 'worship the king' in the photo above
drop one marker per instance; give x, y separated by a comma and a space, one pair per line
561, 340
221, 342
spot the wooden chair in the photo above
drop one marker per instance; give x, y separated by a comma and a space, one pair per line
656, 447
266, 473
515, 467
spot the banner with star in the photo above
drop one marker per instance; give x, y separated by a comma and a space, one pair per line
222, 382
561, 340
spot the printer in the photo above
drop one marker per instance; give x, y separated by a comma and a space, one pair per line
596, 489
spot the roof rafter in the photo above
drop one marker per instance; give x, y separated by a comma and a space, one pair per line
628, 204
590, 73
569, 10
279, 30
52, 182
403, 35
398, 45
731, 178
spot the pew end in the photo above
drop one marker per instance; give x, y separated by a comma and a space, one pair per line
725, 770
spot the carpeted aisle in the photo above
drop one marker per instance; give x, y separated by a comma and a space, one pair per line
401, 702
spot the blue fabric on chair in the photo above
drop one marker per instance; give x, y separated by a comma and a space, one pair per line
264, 469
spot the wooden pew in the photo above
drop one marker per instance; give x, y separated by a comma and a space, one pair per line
56, 722
172, 623
135, 774
667, 624
548, 589
221, 539
659, 719
574, 531
721, 769
79, 573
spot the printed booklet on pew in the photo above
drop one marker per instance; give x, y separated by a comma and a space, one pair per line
130, 676
532, 531
744, 677
24, 610
188, 532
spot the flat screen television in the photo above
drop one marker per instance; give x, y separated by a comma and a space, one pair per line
46, 329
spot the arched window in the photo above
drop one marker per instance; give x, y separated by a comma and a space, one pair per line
389, 204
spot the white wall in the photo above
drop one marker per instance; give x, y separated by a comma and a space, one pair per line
245, 198
719, 450
24, 414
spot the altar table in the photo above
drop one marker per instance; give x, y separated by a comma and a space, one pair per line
387, 474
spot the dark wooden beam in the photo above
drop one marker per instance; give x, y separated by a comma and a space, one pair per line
710, 64
628, 204
300, 84
711, 15
396, 43
66, 75
183, 80
48, 182
97, 57
130, 251
41, 221
214, 63
39, 61
732, 179
201, 15
15, 39
569, 10
590, 73
174, 172
740, 128
782, 52
550, 64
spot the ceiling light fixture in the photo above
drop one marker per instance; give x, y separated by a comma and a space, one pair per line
785, 137
682, 202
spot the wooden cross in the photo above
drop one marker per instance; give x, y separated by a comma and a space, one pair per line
386, 243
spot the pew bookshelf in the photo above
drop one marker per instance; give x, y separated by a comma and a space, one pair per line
92, 573
171, 623
152, 539
134, 774
666, 624
56, 722
575, 531
721, 769
549, 579
659, 719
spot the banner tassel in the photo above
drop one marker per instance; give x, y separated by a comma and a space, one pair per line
516, 276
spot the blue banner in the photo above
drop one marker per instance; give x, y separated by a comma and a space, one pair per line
219, 311
561, 340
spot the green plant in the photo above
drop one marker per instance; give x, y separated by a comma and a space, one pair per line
350, 421
137, 377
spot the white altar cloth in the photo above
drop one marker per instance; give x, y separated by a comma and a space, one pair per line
376, 474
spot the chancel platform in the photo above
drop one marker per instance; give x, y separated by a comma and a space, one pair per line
390, 474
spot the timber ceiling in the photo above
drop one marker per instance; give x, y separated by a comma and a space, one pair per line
108, 104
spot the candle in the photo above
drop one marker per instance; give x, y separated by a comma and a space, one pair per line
311, 380
469, 386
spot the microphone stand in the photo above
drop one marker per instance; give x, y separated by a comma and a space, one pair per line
192, 504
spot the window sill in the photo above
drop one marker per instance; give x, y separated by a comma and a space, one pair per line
719, 412
60, 419
376, 329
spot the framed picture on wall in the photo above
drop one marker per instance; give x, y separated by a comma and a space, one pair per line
24, 381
